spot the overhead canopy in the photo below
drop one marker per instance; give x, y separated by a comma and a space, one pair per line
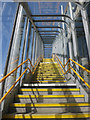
46, 16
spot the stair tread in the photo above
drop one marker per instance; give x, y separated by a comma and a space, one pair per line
48, 96
49, 104
51, 89
63, 115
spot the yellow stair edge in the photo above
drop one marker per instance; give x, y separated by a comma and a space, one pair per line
37, 116
49, 96
24, 89
49, 104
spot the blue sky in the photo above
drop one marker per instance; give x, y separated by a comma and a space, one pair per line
7, 19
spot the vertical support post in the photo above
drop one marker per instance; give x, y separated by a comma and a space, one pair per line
15, 50
64, 38
70, 49
74, 37
28, 45
24, 47
32, 59
86, 28
34, 47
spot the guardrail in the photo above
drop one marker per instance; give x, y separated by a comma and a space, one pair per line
70, 68
33, 71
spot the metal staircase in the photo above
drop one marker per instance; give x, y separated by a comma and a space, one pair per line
48, 95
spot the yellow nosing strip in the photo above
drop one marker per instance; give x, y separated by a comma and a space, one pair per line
22, 89
49, 96
50, 105
48, 81
37, 116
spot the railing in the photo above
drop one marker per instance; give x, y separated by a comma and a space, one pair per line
33, 71
62, 67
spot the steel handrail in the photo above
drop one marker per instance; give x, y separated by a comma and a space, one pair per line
18, 78
37, 62
80, 77
13, 85
77, 64
15, 70
75, 71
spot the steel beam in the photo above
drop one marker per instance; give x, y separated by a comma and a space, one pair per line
58, 15
27, 10
49, 31
47, 34
49, 27
50, 21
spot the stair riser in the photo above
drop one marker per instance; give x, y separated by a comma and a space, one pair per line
49, 110
49, 93
53, 100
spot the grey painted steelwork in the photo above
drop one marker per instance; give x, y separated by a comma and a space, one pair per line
32, 59
74, 34
49, 27
15, 51
56, 44
24, 48
28, 12
28, 47
48, 31
50, 21
9, 52
86, 26
52, 16
64, 39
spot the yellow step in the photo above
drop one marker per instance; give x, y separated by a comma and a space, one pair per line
43, 116
49, 96
48, 104
48, 60
33, 89
46, 73
50, 63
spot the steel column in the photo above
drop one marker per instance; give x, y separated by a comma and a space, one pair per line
86, 29
64, 38
75, 46
36, 46
32, 59
24, 47
15, 50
